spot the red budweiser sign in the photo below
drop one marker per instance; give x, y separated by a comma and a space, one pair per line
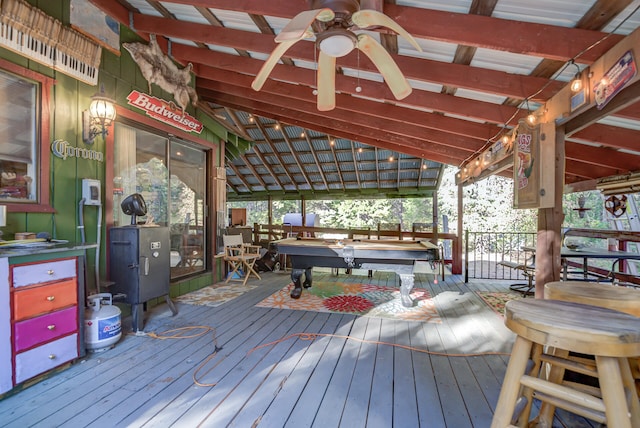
164, 111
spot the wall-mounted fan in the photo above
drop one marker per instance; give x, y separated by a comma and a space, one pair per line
334, 22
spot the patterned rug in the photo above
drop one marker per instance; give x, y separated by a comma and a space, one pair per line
359, 299
214, 296
497, 299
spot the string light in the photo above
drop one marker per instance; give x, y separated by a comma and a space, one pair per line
576, 83
531, 118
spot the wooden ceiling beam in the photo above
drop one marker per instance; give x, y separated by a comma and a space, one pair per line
541, 40
296, 157
602, 156
349, 132
461, 76
346, 104
276, 153
253, 171
422, 100
612, 136
397, 132
266, 165
315, 159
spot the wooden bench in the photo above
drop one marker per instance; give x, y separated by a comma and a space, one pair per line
529, 273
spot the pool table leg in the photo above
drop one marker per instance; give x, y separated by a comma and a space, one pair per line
406, 285
296, 274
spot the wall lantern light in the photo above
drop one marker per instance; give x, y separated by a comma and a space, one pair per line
96, 120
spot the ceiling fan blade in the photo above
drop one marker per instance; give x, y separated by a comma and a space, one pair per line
271, 62
386, 65
368, 18
326, 82
298, 26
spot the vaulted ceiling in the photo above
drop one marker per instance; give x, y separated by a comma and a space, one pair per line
483, 65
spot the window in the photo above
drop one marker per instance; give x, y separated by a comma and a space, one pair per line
171, 176
24, 155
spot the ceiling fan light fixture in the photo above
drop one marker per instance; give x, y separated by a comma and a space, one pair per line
337, 43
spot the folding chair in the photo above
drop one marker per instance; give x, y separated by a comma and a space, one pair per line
241, 258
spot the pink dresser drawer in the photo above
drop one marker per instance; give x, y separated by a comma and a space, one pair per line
44, 328
46, 357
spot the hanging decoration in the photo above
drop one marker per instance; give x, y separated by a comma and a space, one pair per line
581, 209
616, 205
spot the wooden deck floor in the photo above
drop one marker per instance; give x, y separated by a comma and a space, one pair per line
331, 381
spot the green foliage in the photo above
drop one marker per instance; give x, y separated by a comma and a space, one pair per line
487, 207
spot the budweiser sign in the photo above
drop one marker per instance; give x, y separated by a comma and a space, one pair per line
164, 111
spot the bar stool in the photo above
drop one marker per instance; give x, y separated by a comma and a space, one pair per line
610, 336
621, 299
610, 296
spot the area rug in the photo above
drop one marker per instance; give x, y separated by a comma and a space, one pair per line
358, 299
214, 296
497, 299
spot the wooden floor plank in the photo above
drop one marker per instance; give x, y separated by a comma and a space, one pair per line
332, 405
356, 405
405, 402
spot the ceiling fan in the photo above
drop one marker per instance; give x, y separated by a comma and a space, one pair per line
334, 22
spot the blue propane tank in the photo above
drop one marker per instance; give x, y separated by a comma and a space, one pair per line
102, 326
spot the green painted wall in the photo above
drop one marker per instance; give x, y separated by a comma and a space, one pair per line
119, 75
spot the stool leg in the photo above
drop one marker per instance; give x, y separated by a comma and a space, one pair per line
511, 383
556, 374
615, 402
527, 393
630, 386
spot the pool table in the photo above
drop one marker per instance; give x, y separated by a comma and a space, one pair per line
392, 255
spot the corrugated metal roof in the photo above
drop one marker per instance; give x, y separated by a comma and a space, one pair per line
475, 112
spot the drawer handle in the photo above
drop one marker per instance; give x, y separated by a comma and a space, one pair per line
50, 272
52, 356
51, 327
51, 298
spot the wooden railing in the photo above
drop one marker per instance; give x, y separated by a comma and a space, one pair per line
484, 252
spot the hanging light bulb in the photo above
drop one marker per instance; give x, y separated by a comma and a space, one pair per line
576, 83
531, 118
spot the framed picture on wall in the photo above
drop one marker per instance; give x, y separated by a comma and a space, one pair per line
92, 22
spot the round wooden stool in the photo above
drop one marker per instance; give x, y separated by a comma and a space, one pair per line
621, 299
611, 337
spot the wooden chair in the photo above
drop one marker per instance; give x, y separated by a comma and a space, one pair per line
241, 258
526, 268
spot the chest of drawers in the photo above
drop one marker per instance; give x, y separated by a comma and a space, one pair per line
44, 317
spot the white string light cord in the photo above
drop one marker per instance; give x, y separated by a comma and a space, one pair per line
171, 334
564, 67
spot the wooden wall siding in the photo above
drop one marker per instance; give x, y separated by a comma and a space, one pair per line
119, 75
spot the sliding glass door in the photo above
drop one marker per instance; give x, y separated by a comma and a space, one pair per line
171, 176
